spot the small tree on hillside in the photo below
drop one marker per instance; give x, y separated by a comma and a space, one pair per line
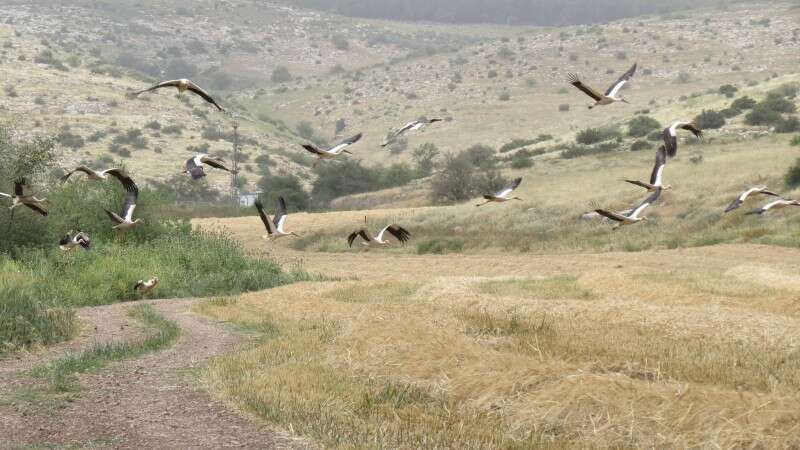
425, 157
287, 186
455, 181
641, 126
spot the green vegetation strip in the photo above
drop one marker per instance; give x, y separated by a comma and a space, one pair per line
60, 373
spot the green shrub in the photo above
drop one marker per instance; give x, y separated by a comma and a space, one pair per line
641, 126
577, 151
729, 113
762, 115
728, 90
340, 42
710, 120
281, 74
743, 103
70, 140
591, 136
795, 142
287, 186
440, 246
792, 177
521, 160
640, 145
788, 125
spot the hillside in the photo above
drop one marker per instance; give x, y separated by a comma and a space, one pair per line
491, 84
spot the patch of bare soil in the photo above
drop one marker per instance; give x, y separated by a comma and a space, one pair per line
151, 402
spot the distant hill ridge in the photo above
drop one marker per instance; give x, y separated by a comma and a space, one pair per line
532, 12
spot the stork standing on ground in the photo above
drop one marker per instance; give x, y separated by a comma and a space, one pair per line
739, 201
143, 287
633, 217
670, 135
656, 175
194, 165
410, 126
20, 197
334, 151
275, 226
504, 195
777, 204
94, 175
381, 240
611, 95
182, 85
73, 240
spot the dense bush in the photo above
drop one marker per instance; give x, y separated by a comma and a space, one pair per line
281, 74
743, 103
182, 188
710, 120
287, 186
68, 139
340, 42
762, 115
521, 160
640, 145
641, 126
440, 246
467, 174
792, 177
728, 90
788, 125
591, 136
577, 151
425, 157
351, 177
519, 143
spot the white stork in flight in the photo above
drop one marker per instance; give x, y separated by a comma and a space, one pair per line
504, 195
20, 197
143, 287
194, 165
124, 221
94, 175
635, 216
611, 95
655, 176
410, 126
739, 201
73, 240
777, 204
334, 151
182, 85
275, 226
670, 135
381, 240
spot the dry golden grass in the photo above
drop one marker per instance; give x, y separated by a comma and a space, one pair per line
671, 348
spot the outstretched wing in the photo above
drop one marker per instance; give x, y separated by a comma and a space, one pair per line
647, 202
113, 216
696, 131
311, 148
124, 179
614, 89
217, 164
37, 208
280, 214
19, 187
338, 148
670, 142
362, 232
199, 91
735, 204
658, 168
264, 217
400, 233
511, 188
83, 169
610, 215
575, 81
130, 204
163, 84
638, 183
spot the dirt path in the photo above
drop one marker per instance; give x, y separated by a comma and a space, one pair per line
150, 402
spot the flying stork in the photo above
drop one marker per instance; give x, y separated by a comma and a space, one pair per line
275, 226
777, 204
739, 201
20, 197
611, 95
655, 176
504, 195
670, 135
124, 221
633, 217
334, 151
182, 85
400, 233
194, 165
94, 175
410, 126
73, 240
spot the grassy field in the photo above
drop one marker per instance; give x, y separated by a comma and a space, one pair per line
487, 351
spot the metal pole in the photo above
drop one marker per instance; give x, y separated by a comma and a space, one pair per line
235, 167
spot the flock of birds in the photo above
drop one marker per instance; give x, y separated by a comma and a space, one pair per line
195, 167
